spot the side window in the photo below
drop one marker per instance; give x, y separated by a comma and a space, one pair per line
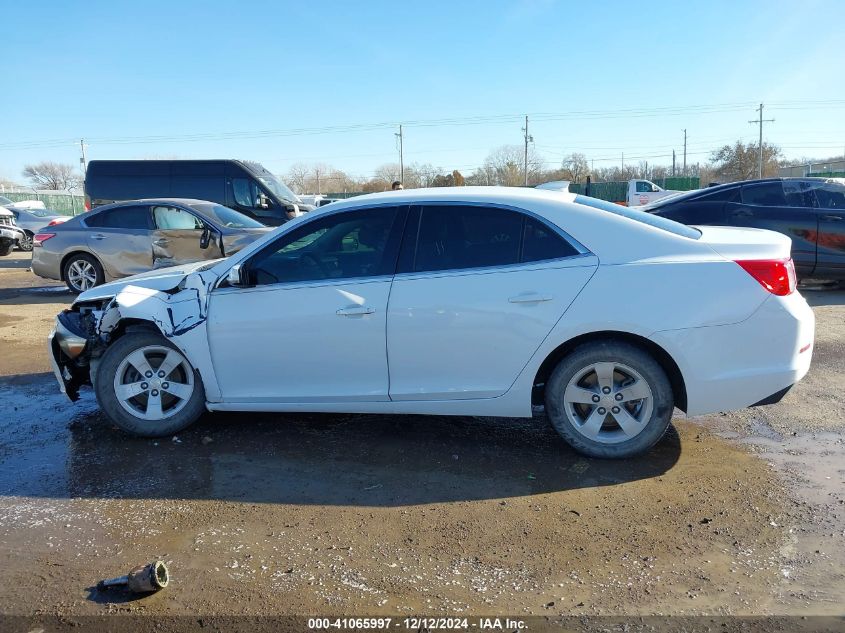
731, 194
360, 243
643, 186
767, 194
829, 195
246, 193
121, 218
797, 193
540, 242
171, 218
453, 237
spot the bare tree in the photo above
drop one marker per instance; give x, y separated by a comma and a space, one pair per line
50, 175
575, 167
296, 177
506, 164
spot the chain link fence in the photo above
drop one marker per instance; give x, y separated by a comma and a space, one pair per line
62, 202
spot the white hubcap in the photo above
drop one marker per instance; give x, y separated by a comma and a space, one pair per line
154, 382
82, 275
608, 402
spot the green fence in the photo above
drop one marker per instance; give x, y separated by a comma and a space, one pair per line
827, 174
61, 203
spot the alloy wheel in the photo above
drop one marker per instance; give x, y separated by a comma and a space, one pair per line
82, 275
154, 382
608, 402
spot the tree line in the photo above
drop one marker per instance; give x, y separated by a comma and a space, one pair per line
504, 165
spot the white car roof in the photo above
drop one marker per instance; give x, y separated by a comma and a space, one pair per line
614, 238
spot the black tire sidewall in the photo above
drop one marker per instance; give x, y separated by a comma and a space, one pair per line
104, 389
5, 250
619, 352
98, 269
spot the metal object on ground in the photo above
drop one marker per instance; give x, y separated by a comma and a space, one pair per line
141, 579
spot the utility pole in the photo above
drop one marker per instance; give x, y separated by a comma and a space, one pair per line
673, 162
623, 165
82, 161
401, 138
685, 151
761, 120
528, 138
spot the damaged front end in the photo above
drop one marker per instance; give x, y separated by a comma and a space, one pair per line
73, 344
84, 332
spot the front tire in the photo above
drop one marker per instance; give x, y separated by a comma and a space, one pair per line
147, 387
610, 400
82, 272
6, 249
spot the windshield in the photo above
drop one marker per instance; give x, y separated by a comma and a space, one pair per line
40, 213
227, 217
674, 197
641, 216
5, 201
277, 187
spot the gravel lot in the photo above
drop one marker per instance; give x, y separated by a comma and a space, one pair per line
290, 514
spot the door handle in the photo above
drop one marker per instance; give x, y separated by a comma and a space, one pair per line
98, 236
742, 213
532, 297
831, 218
355, 311
160, 242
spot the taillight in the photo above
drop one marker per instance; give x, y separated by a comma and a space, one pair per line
87, 203
775, 275
56, 221
40, 238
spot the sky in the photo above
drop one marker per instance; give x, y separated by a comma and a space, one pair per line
329, 82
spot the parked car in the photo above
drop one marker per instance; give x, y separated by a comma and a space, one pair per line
127, 238
244, 186
31, 221
316, 199
479, 301
21, 204
10, 234
809, 211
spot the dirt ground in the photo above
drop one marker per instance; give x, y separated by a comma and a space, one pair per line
737, 513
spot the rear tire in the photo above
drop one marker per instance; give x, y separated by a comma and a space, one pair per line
25, 244
82, 272
610, 400
135, 395
5, 250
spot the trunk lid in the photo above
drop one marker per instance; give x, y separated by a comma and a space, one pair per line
739, 243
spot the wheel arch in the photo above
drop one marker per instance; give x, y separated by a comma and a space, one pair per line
664, 359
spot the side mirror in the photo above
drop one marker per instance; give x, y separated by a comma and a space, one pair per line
263, 201
205, 238
235, 275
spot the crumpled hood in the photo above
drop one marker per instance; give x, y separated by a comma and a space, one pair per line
158, 279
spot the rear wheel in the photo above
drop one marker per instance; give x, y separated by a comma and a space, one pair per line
82, 272
5, 249
610, 400
147, 387
25, 243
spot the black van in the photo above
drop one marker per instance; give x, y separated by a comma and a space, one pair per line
244, 186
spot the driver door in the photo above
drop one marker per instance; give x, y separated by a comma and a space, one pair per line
177, 238
309, 325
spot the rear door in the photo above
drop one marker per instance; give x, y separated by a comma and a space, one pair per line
177, 237
830, 206
787, 210
121, 238
478, 289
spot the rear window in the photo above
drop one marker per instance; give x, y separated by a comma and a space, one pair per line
121, 218
656, 221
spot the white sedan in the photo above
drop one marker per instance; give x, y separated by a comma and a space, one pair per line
454, 301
